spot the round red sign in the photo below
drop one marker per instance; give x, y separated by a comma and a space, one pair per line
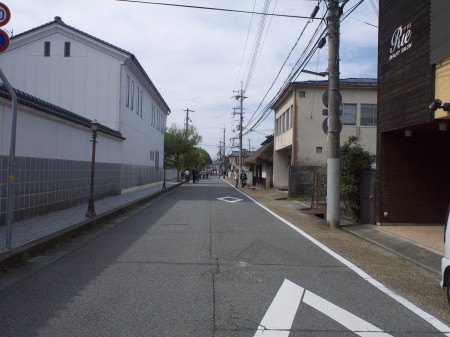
5, 14
4, 41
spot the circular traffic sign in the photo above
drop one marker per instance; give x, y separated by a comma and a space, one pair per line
325, 98
4, 41
5, 14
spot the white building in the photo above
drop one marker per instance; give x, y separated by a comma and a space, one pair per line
69, 70
300, 143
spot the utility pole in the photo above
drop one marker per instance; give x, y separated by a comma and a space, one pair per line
223, 157
220, 153
333, 160
240, 97
187, 120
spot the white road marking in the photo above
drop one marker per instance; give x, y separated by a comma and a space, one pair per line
419, 312
229, 199
343, 317
277, 321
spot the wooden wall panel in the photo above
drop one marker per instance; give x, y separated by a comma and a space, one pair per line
405, 81
414, 177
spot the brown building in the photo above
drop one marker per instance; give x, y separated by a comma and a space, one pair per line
413, 143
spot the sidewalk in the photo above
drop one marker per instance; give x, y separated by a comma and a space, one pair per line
31, 236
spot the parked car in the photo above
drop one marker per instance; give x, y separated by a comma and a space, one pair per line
445, 264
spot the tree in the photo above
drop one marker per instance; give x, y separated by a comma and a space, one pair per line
354, 159
178, 144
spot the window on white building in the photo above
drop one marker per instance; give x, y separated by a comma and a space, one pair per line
132, 95
348, 114
368, 115
128, 91
138, 105
142, 98
66, 49
47, 48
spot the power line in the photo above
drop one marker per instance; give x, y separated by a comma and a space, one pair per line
287, 58
213, 9
295, 72
256, 45
245, 47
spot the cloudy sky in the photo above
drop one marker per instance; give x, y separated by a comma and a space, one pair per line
198, 58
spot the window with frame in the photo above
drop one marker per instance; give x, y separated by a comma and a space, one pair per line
278, 126
128, 91
368, 115
47, 48
142, 98
132, 95
348, 114
66, 49
138, 105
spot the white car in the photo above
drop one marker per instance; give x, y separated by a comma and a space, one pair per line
445, 264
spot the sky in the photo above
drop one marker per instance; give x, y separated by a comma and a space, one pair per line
199, 59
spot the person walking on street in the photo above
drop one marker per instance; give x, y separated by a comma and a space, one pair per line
243, 178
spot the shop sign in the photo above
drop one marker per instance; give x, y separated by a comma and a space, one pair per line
400, 41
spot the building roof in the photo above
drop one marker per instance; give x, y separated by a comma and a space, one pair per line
58, 21
56, 111
263, 155
344, 83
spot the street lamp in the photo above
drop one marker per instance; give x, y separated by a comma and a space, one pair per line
91, 208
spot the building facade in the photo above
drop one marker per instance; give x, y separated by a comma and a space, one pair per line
300, 147
413, 162
57, 67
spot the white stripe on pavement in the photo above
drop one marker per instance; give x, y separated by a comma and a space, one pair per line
440, 326
277, 321
343, 317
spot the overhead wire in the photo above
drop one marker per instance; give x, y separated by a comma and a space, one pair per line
212, 8
296, 70
256, 46
245, 47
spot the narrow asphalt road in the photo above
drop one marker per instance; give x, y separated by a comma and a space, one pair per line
202, 260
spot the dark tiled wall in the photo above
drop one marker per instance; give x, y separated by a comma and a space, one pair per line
134, 175
46, 185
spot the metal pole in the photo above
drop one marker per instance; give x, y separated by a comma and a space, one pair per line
333, 161
91, 207
11, 163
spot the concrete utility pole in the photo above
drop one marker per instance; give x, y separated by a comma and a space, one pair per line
223, 157
187, 120
220, 153
240, 97
333, 161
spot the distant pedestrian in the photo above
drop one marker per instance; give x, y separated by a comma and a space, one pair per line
186, 176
